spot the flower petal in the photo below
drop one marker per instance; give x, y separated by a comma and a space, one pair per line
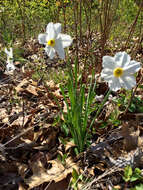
132, 68
128, 82
122, 59
107, 71
108, 62
10, 67
50, 52
42, 38
114, 84
48, 26
6, 51
50, 30
107, 78
59, 48
106, 74
57, 27
11, 53
66, 40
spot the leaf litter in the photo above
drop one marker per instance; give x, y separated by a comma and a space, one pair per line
29, 143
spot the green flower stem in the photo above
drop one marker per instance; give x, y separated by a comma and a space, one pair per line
100, 107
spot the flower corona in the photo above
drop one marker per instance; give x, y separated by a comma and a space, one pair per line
51, 43
118, 72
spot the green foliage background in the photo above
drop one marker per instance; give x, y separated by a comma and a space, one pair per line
26, 18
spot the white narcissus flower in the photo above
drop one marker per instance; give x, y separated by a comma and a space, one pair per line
10, 66
119, 71
54, 40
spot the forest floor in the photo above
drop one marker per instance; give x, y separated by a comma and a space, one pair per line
31, 146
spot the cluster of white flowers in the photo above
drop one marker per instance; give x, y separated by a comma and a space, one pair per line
118, 71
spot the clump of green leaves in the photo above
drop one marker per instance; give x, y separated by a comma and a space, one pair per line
135, 106
131, 175
138, 187
79, 103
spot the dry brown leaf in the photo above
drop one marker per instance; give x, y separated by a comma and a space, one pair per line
57, 173
29, 86
65, 110
34, 83
69, 145
21, 187
19, 87
32, 90
130, 132
57, 94
117, 187
91, 171
17, 63
51, 84
21, 169
3, 115
21, 121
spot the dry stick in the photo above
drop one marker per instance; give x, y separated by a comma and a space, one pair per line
140, 39
106, 21
64, 13
133, 93
23, 113
133, 25
76, 31
57, 13
84, 172
89, 23
3, 27
105, 24
104, 31
88, 14
17, 136
46, 188
5, 80
110, 171
137, 44
21, 5
87, 47
80, 20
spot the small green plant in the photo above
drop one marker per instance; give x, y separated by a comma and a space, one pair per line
135, 106
131, 175
76, 177
128, 172
138, 187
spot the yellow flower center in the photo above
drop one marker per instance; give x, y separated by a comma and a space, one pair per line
118, 72
51, 43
